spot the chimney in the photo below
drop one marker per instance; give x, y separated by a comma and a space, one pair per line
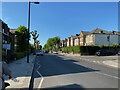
113, 32
76, 35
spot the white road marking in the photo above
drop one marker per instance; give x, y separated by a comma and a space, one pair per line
40, 76
108, 75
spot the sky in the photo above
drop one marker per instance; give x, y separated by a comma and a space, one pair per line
61, 19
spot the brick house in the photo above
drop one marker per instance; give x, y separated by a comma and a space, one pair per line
99, 37
69, 42
77, 40
95, 37
65, 42
5, 33
82, 37
12, 38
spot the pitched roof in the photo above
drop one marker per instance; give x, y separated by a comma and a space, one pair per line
12, 31
85, 32
97, 30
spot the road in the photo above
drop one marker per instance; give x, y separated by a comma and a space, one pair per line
58, 71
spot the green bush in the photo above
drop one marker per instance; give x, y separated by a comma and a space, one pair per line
90, 49
81, 49
19, 55
3, 55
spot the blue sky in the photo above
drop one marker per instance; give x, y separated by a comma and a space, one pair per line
61, 19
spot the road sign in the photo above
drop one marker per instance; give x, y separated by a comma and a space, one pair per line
6, 46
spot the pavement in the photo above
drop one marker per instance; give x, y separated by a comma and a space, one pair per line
21, 71
112, 61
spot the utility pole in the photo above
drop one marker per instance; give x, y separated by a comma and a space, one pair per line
29, 28
28, 32
0, 40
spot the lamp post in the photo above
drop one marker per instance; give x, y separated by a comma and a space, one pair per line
29, 28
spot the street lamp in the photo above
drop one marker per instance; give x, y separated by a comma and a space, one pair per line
29, 28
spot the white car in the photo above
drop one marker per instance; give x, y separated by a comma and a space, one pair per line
40, 53
54, 52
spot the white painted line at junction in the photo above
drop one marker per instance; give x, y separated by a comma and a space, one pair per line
40, 76
40, 81
108, 75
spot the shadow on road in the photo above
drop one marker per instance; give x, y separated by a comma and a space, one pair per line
52, 65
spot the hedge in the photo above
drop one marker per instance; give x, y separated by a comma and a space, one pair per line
89, 49
3, 53
81, 49
19, 55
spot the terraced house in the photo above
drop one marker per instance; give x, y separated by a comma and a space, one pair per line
95, 37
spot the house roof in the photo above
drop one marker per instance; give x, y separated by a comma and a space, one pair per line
117, 33
85, 32
98, 30
12, 31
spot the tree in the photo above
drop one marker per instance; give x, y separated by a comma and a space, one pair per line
40, 47
52, 43
21, 38
45, 47
35, 36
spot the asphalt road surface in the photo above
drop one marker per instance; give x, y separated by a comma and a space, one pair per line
58, 71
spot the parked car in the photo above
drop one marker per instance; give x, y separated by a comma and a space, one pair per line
46, 51
34, 53
50, 51
39, 53
118, 52
54, 52
104, 52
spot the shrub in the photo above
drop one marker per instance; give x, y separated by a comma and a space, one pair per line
19, 55
3, 55
81, 49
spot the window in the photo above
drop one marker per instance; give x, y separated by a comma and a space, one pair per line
76, 41
7, 33
3, 30
3, 37
81, 40
87, 39
68, 43
71, 42
90, 39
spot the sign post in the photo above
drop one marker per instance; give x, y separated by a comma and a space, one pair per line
6, 47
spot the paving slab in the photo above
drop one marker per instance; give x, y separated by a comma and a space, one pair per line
21, 71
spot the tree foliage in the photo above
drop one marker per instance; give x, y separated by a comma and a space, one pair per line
21, 38
40, 47
51, 43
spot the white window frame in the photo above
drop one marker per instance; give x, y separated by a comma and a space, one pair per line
72, 42
90, 39
81, 39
